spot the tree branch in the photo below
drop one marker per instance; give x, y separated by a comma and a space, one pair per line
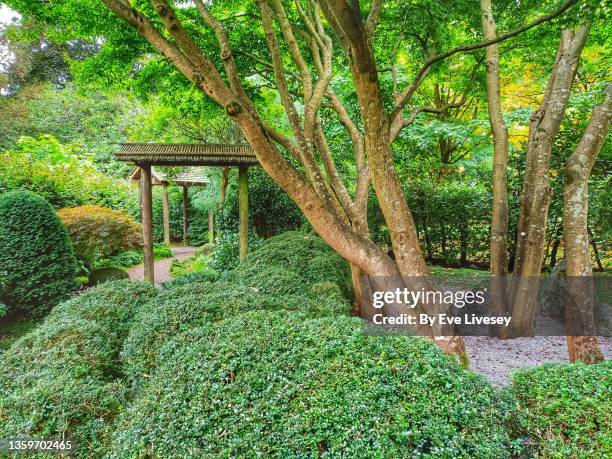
405, 96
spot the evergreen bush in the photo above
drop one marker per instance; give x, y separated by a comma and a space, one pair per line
37, 262
280, 384
566, 410
63, 378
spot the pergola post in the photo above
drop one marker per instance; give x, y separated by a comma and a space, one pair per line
243, 208
211, 227
166, 214
185, 214
147, 220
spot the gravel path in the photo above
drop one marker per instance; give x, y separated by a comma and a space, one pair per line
497, 359
162, 267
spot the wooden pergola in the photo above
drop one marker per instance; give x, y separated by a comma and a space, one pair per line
146, 155
193, 176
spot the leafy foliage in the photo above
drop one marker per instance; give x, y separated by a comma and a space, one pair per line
270, 278
227, 250
271, 210
98, 232
567, 409
283, 385
61, 379
38, 263
62, 175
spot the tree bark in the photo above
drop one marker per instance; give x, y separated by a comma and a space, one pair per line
579, 266
536, 193
553, 253
498, 259
346, 22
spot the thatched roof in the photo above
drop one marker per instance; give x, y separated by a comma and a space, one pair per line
194, 176
157, 177
166, 154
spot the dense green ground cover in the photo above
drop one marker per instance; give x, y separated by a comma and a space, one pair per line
264, 361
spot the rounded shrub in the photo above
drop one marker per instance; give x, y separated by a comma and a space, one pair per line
227, 250
280, 384
99, 232
38, 265
305, 255
566, 410
62, 379
192, 305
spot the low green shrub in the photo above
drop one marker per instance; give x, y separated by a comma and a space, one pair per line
3, 309
62, 378
227, 251
37, 262
305, 255
194, 304
199, 276
566, 410
98, 232
122, 260
194, 263
279, 384
162, 250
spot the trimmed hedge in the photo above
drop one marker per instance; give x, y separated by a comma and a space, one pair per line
280, 384
566, 410
99, 232
62, 378
306, 256
37, 261
195, 304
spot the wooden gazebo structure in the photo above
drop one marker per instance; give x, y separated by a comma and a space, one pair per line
146, 155
188, 178
193, 176
157, 179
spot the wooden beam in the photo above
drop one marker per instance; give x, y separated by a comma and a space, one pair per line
166, 214
185, 215
147, 221
211, 227
243, 207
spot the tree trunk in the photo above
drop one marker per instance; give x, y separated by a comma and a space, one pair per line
463, 241
579, 267
404, 239
166, 214
553, 253
536, 194
498, 259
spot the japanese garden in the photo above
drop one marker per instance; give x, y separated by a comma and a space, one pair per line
305, 228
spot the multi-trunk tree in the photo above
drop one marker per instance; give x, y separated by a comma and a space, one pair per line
307, 41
